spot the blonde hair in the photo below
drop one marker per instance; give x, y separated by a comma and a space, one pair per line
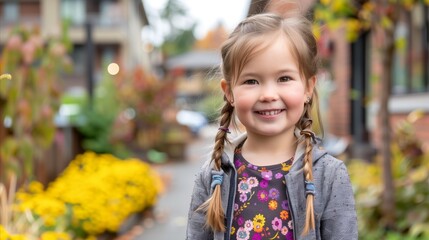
243, 43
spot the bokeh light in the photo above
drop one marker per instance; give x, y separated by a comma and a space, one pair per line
113, 69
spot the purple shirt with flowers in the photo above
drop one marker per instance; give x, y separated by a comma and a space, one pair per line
261, 209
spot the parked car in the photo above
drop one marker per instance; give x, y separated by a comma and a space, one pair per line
192, 119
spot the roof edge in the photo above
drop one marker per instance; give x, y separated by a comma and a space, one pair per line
142, 11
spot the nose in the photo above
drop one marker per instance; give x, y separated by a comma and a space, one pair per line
269, 93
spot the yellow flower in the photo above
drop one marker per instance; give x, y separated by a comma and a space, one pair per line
5, 235
3, 232
17, 237
100, 190
55, 236
258, 223
35, 187
325, 2
272, 205
286, 167
259, 218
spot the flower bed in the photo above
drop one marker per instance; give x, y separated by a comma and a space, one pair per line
95, 194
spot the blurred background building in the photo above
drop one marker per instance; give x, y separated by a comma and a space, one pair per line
115, 25
190, 71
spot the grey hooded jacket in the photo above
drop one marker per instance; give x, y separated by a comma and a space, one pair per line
334, 207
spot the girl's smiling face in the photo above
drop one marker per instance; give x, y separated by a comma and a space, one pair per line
269, 93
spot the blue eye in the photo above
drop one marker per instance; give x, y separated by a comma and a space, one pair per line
250, 82
285, 79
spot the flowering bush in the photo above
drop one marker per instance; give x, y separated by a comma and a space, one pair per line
48, 235
410, 170
94, 194
29, 62
5, 235
411, 192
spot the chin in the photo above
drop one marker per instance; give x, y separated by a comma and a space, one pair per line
269, 133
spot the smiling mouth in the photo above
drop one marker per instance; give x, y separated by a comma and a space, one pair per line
270, 112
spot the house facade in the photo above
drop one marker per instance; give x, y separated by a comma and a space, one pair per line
115, 31
192, 72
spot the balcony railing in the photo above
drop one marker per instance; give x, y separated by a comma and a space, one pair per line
21, 21
103, 21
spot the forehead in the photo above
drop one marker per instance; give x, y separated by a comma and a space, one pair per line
275, 53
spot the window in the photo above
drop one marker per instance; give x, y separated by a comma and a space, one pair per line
11, 11
108, 55
106, 9
74, 10
399, 60
79, 59
410, 63
417, 52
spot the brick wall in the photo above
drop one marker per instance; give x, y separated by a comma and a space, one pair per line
339, 102
30, 9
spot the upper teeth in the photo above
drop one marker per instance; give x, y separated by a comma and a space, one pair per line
273, 112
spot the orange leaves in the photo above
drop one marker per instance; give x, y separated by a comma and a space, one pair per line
213, 39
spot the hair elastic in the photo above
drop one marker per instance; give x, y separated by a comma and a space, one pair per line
217, 178
310, 134
225, 129
309, 188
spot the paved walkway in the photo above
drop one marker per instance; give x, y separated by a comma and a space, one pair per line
171, 211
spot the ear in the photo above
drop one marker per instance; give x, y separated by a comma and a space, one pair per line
226, 90
311, 83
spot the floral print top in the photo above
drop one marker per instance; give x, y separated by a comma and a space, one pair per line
261, 209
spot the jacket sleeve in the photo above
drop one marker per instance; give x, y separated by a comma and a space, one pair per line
196, 229
339, 219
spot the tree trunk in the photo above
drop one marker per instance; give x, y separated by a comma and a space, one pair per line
388, 206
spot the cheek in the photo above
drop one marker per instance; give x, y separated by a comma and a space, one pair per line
294, 100
243, 99
243, 105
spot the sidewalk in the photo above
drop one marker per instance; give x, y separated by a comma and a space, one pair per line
171, 211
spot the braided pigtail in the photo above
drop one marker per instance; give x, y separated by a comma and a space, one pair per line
305, 126
213, 206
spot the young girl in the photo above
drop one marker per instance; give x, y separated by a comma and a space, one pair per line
274, 181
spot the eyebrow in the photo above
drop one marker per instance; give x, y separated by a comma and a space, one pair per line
255, 74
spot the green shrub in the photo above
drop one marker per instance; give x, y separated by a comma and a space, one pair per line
411, 194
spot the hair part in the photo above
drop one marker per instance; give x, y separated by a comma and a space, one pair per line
247, 40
